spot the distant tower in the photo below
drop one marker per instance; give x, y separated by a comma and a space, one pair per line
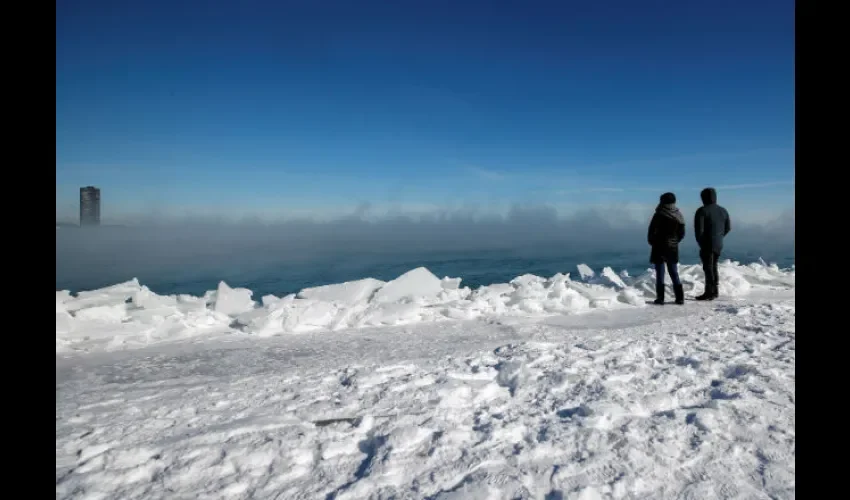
89, 206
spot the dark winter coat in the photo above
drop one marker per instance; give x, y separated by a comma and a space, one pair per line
666, 230
711, 223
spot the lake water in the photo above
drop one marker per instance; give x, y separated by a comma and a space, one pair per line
83, 268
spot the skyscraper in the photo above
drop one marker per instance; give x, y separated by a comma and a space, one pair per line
89, 206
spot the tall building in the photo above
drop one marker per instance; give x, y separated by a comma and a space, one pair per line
89, 206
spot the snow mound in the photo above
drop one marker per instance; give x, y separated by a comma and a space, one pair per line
130, 315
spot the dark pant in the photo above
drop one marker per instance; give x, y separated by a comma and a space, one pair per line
672, 268
709, 266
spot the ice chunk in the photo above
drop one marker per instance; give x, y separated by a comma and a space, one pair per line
64, 323
108, 296
450, 283
611, 278
233, 301
418, 283
585, 272
350, 293
145, 298
393, 314
128, 314
295, 316
632, 297
63, 296
103, 314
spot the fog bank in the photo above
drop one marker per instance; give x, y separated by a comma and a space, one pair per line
110, 253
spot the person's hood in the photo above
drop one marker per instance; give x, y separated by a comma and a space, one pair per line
671, 211
709, 196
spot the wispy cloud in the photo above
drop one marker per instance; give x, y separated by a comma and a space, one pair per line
567, 171
757, 185
684, 159
591, 190
754, 185
490, 175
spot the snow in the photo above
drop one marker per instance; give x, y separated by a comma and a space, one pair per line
129, 315
595, 401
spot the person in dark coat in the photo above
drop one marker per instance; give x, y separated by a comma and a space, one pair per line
711, 225
666, 231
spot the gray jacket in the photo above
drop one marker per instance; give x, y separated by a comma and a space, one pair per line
711, 223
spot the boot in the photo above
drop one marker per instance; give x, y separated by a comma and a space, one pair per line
680, 294
659, 294
708, 294
713, 294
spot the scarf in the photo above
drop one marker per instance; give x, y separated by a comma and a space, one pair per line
670, 211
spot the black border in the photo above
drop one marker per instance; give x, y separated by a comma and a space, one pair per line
818, 88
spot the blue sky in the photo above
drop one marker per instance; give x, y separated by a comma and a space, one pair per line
277, 107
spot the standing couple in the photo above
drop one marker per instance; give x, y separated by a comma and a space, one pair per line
667, 230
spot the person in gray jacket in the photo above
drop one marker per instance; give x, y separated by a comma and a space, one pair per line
711, 225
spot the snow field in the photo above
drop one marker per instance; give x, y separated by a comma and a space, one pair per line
698, 403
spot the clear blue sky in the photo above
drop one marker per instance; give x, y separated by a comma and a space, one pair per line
268, 105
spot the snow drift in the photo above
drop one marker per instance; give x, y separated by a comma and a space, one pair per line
130, 315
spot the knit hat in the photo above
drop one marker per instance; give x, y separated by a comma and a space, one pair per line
668, 199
